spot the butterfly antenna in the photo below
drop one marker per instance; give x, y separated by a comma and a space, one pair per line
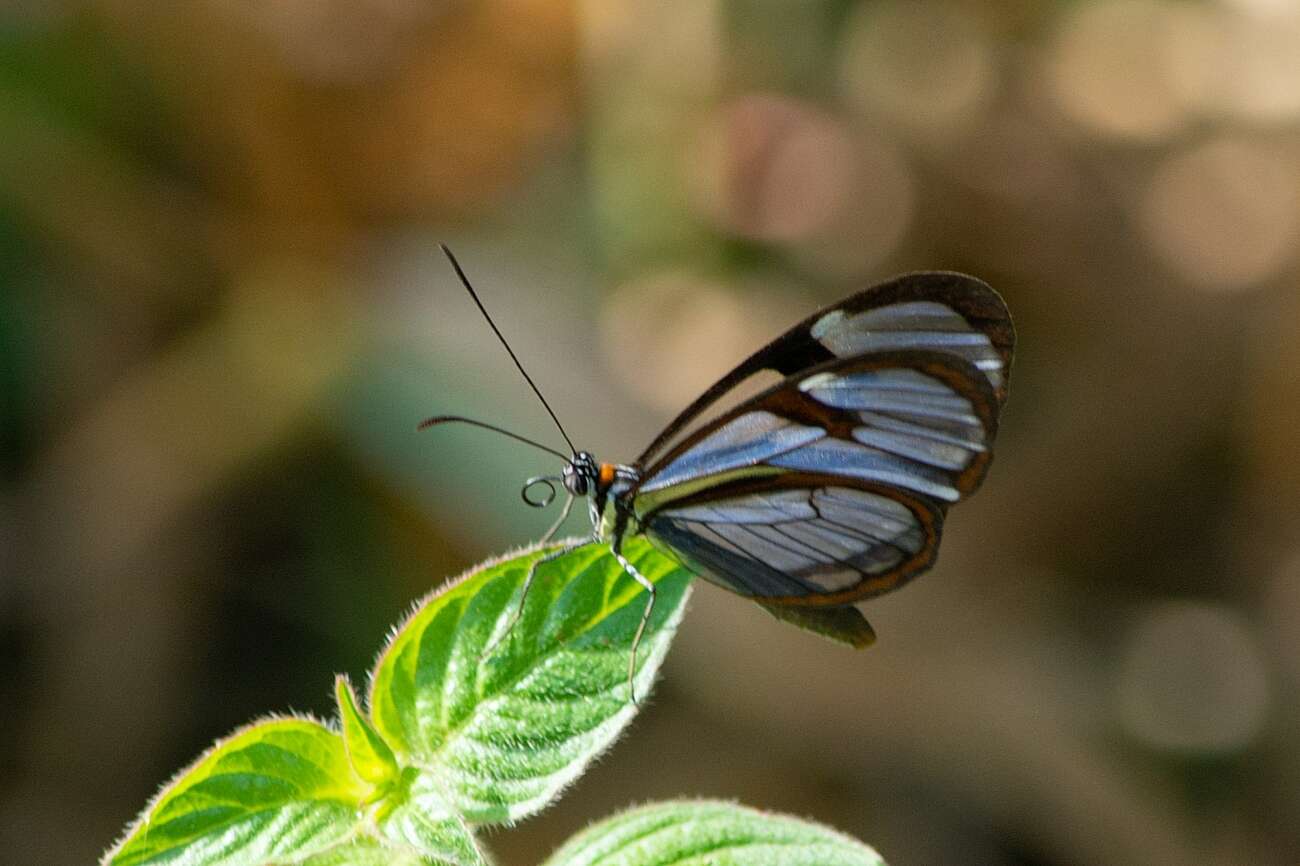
458, 419
465, 282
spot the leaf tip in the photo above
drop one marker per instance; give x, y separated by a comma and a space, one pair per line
370, 756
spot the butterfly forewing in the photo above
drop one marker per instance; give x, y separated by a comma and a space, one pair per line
922, 421
745, 440
942, 312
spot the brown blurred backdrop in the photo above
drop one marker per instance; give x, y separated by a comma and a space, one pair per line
222, 311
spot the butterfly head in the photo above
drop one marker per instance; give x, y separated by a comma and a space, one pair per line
581, 477
582, 474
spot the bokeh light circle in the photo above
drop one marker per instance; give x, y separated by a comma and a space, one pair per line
1193, 678
1226, 214
669, 335
1107, 73
775, 169
1236, 64
925, 67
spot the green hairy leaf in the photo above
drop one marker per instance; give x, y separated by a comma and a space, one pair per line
366, 851
280, 789
714, 833
504, 731
471, 722
420, 819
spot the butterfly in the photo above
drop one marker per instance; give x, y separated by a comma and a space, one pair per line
826, 488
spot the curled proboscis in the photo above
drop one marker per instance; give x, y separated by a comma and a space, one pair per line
546, 498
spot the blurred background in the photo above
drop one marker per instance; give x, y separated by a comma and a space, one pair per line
223, 311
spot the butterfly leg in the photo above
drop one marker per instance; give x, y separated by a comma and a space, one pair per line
649, 587
564, 515
528, 582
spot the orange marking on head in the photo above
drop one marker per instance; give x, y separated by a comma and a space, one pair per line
606, 474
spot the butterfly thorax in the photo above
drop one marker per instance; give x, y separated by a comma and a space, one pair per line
604, 484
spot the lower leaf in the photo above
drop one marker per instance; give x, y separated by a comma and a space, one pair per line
277, 790
716, 833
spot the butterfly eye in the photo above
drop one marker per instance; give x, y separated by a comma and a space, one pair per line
575, 481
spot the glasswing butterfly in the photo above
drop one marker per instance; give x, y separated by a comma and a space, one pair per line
825, 489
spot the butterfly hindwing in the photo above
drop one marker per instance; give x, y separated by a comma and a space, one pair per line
844, 624
801, 539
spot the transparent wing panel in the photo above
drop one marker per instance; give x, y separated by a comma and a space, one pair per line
796, 543
915, 430
928, 325
746, 440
